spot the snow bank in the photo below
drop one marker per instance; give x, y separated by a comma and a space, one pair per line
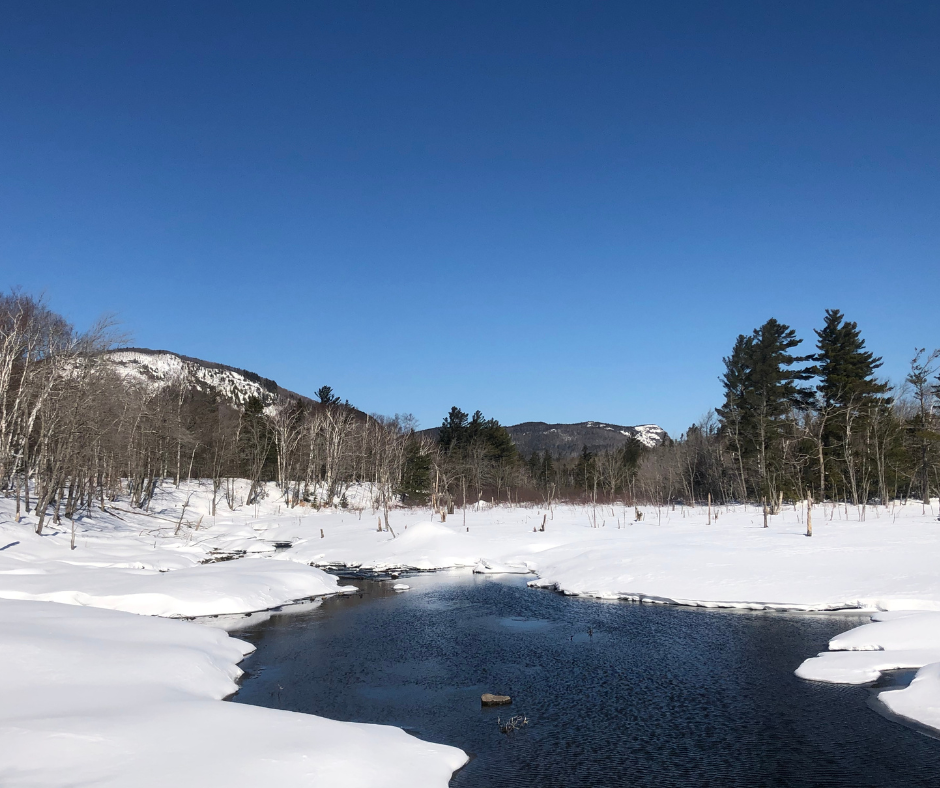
859, 656
98, 697
224, 588
920, 702
894, 640
495, 568
880, 559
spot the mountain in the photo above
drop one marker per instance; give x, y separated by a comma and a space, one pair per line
237, 386
161, 367
566, 440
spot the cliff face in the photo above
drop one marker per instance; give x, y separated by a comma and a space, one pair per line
161, 367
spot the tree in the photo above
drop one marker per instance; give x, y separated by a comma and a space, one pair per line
453, 432
733, 415
474, 451
415, 483
326, 396
585, 470
848, 394
761, 390
257, 447
845, 369
925, 435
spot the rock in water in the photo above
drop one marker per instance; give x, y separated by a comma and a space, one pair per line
494, 700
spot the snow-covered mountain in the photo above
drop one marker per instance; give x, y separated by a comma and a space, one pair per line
161, 367
566, 440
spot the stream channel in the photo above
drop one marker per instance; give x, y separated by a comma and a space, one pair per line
616, 693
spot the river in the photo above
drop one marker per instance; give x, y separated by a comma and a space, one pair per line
615, 693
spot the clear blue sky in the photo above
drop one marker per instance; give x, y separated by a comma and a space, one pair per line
548, 211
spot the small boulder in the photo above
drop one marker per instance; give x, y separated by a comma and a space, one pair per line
494, 700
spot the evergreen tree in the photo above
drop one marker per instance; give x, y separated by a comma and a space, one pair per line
415, 484
459, 433
846, 370
924, 432
761, 390
544, 471
498, 441
326, 396
585, 470
848, 396
453, 432
478, 451
732, 415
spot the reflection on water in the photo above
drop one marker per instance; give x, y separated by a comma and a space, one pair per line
616, 694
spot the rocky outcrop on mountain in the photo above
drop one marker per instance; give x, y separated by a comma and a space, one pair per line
161, 367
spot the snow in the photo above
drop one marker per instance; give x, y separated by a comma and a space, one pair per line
885, 561
400, 587
223, 588
98, 697
877, 558
172, 562
649, 435
894, 640
920, 702
158, 368
484, 567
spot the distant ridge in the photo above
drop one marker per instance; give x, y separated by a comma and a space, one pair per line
567, 440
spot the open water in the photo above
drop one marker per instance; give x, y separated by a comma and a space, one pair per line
615, 693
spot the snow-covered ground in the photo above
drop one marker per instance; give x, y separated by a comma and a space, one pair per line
155, 562
879, 558
104, 698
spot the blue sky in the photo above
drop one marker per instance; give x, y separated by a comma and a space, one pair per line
548, 211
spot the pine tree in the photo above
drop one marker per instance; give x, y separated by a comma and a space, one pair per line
846, 370
415, 484
478, 451
585, 470
453, 432
924, 430
732, 415
326, 396
848, 393
761, 390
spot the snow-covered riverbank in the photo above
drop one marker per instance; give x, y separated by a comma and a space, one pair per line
105, 698
878, 559
894, 640
92, 694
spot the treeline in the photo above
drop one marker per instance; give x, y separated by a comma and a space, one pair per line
792, 426
475, 459
821, 425
76, 433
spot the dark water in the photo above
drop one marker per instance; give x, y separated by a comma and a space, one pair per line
658, 696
